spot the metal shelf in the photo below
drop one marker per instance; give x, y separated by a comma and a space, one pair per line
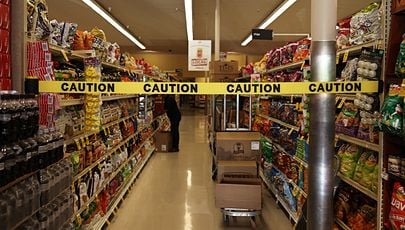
358, 186
110, 178
296, 128
109, 152
291, 181
287, 66
121, 195
292, 214
357, 48
341, 224
359, 142
81, 136
71, 102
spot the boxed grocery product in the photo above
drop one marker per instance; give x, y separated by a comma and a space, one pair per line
239, 191
238, 145
224, 67
163, 141
245, 167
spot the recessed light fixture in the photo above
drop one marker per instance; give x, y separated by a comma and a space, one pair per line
271, 18
94, 6
188, 6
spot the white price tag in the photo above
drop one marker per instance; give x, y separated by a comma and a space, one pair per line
255, 145
385, 176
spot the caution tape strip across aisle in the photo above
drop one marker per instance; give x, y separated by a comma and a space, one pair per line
273, 88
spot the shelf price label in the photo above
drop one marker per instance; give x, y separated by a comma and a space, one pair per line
342, 102
345, 56
64, 55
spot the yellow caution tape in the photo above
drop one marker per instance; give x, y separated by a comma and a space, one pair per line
271, 88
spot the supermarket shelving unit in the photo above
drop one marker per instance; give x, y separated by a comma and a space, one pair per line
348, 52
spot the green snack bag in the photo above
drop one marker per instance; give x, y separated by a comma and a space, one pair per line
392, 115
369, 170
349, 155
400, 65
358, 173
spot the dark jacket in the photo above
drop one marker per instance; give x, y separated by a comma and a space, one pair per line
171, 108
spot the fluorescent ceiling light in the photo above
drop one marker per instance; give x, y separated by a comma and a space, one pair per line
94, 6
188, 5
271, 18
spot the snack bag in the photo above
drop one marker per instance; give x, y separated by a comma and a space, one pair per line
349, 72
364, 218
400, 65
359, 172
366, 25
368, 170
397, 212
392, 115
347, 122
342, 204
342, 39
349, 155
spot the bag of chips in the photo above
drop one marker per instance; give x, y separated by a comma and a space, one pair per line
392, 115
359, 172
368, 170
397, 212
400, 65
349, 155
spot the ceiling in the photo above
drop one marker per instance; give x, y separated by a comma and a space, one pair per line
160, 24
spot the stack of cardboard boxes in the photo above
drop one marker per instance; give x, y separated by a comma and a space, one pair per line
238, 185
5, 65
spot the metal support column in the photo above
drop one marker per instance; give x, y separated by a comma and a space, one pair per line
217, 30
18, 14
322, 110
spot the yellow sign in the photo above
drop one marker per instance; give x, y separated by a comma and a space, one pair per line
270, 88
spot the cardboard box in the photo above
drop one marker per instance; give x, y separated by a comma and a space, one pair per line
243, 193
231, 146
163, 141
224, 67
223, 77
244, 167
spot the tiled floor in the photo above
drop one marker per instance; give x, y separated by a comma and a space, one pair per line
175, 190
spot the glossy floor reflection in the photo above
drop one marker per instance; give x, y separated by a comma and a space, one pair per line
175, 190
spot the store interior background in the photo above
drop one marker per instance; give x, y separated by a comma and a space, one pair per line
161, 26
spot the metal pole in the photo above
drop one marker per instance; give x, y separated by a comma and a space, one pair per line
322, 110
18, 15
217, 30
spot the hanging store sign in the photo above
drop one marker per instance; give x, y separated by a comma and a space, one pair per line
199, 55
262, 34
204, 88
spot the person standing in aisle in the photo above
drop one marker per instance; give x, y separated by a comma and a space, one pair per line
174, 115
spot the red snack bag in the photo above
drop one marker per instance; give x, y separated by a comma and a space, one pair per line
397, 212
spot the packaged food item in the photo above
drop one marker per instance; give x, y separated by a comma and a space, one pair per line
38, 12
369, 64
349, 155
342, 39
364, 218
394, 164
397, 211
392, 115
303, 50
366, 25
400, 65
359, 172
342, 204
368, 170
347, 122
349, 72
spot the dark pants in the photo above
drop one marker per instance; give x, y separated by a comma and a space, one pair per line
174, 129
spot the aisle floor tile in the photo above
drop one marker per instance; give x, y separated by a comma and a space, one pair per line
175, 190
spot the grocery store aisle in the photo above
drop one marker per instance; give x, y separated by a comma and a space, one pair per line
175, 190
